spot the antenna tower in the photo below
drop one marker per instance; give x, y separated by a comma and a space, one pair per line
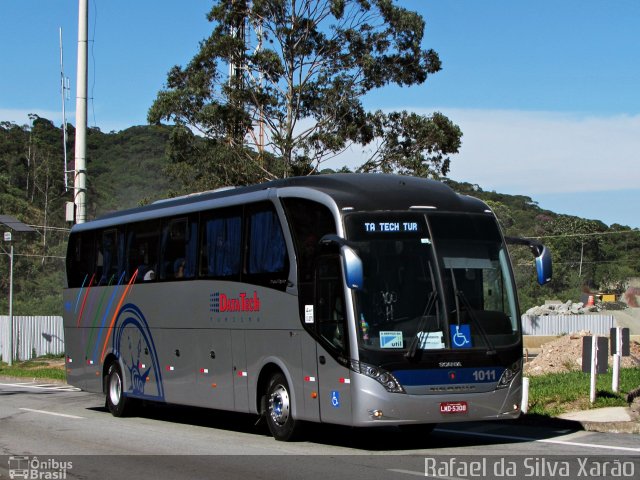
64, 91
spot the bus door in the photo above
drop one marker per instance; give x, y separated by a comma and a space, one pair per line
240, 374
331, 328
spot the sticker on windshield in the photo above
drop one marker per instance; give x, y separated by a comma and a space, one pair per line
308, 314
460, 336
431, 340
391, 340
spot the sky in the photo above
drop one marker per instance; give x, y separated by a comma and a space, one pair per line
546, 93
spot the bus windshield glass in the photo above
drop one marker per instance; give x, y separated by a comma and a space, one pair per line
432, 282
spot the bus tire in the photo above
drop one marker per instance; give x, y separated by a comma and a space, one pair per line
117, 403
280, 421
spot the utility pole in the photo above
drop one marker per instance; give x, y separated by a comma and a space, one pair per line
17, 226
80, 180
64, 90
10, 359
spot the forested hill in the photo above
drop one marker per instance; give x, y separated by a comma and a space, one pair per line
128, 168
124, 168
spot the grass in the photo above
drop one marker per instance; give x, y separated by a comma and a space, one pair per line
558, 393
46, 367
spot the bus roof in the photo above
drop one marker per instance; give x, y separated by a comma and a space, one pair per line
353, 191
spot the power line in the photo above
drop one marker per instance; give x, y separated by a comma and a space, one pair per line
575, 262
33, 255
49, 227
585, 234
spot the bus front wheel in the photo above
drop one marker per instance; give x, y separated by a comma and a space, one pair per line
117, 402
281, 423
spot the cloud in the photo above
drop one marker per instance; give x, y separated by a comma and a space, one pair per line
529, 152
546, 152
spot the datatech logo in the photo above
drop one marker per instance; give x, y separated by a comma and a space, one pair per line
221, 303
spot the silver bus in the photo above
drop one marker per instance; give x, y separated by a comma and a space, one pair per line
352, 299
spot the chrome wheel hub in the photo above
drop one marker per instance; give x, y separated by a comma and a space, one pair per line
115, 389
279, 405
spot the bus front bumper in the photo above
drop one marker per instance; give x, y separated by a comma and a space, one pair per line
374, 406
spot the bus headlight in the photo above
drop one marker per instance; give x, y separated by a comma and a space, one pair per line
509, 374
386, 379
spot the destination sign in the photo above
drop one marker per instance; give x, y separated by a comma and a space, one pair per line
391, 226
398, 225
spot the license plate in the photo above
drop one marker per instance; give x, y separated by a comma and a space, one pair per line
453, 407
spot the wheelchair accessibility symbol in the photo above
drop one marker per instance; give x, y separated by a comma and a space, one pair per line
460, 336
335, 399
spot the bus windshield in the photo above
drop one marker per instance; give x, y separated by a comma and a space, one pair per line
431, 283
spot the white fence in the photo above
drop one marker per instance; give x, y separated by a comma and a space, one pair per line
563, 324
32, 336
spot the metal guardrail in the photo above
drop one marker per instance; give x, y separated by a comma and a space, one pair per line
565, 324
32, 336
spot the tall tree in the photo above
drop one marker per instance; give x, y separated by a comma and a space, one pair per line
288, 77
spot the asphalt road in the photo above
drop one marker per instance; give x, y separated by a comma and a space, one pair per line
57, 432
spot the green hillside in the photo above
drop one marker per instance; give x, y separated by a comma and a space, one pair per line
129, 167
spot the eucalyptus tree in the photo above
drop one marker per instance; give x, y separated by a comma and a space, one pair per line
282, 82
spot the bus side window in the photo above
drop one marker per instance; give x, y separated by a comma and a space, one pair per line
142, 250
267, 261
330, 303
309, 222
221, 244
179, 247
80, 260
107, 259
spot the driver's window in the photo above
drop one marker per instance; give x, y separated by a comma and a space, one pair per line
330, 303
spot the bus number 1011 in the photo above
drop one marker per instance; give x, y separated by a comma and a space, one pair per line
484, 375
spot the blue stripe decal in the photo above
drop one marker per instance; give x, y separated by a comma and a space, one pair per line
453, 376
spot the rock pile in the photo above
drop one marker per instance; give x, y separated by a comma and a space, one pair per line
571, 308
568, 308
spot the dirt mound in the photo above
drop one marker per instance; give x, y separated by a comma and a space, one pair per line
565, 354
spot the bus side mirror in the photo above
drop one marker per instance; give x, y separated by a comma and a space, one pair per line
351, 261
544, 266
352, 268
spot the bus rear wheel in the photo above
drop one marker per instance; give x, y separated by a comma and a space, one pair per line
117, 403
280, 421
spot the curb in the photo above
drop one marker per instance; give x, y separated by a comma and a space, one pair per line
612, 427
632, 427
32, 379
533, 420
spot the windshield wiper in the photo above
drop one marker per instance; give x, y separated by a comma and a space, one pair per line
491, 349
413, 348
